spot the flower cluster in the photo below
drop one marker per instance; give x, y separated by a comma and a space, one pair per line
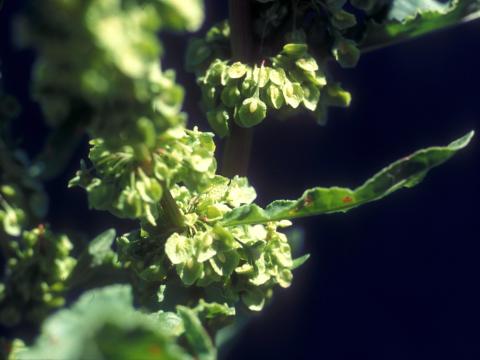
129, 182
98, 62
230, 263
331, 27
37, 267
22, 199
239, 92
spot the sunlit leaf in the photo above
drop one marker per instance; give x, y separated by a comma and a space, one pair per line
406, 172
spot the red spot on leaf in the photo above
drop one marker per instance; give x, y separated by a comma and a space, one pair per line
347, 199
308, 201
155, 349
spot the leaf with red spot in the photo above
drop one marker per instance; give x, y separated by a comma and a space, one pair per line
406, 172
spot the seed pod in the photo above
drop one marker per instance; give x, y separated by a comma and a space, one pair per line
251, 112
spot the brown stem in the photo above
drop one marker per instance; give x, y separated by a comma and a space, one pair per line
237, 148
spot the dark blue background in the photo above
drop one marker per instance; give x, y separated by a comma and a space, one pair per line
397, 279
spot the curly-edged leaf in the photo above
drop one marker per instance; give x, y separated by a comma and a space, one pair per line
196, 334
406, 172
410, 18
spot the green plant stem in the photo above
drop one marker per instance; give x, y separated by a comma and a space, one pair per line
172, 212
237, 147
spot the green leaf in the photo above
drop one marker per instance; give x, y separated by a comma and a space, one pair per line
178, 248
275, 96
293, 94
277, 76
346, 52
343, 20
103, 324
169, 323
254, 300
100, 248
218, 120
237, 70
231, 95
308, 64
251, 113
261, 75
182, 15
311, 96
406, 172
190, 271
300, 261
196, 335
411, 18
295, 49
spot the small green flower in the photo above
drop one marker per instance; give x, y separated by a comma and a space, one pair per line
237, 70
251, 112
293, 94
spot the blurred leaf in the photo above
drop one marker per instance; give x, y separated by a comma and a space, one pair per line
103, 324
100, 248
196, 334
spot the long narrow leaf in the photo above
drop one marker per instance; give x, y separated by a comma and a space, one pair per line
406, 172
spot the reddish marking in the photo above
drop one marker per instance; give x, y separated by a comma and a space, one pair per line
155, 349
204, 218
347, 199
263, 62
161, 151
308, 201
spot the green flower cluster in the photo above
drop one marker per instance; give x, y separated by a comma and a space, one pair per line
330, 26
244, 93
37, 266
98, 63
202, 51
22, 199
129, 182
12, 217
230, 263
239, 92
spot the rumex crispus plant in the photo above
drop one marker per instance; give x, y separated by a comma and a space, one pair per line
203, 253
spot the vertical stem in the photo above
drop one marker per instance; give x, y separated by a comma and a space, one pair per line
237, 148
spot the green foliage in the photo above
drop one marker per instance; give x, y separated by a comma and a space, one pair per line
243, 262
93, 329
410, 18
129, 182
244, 93
406, 172
22, 199
202, 248
25, 298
